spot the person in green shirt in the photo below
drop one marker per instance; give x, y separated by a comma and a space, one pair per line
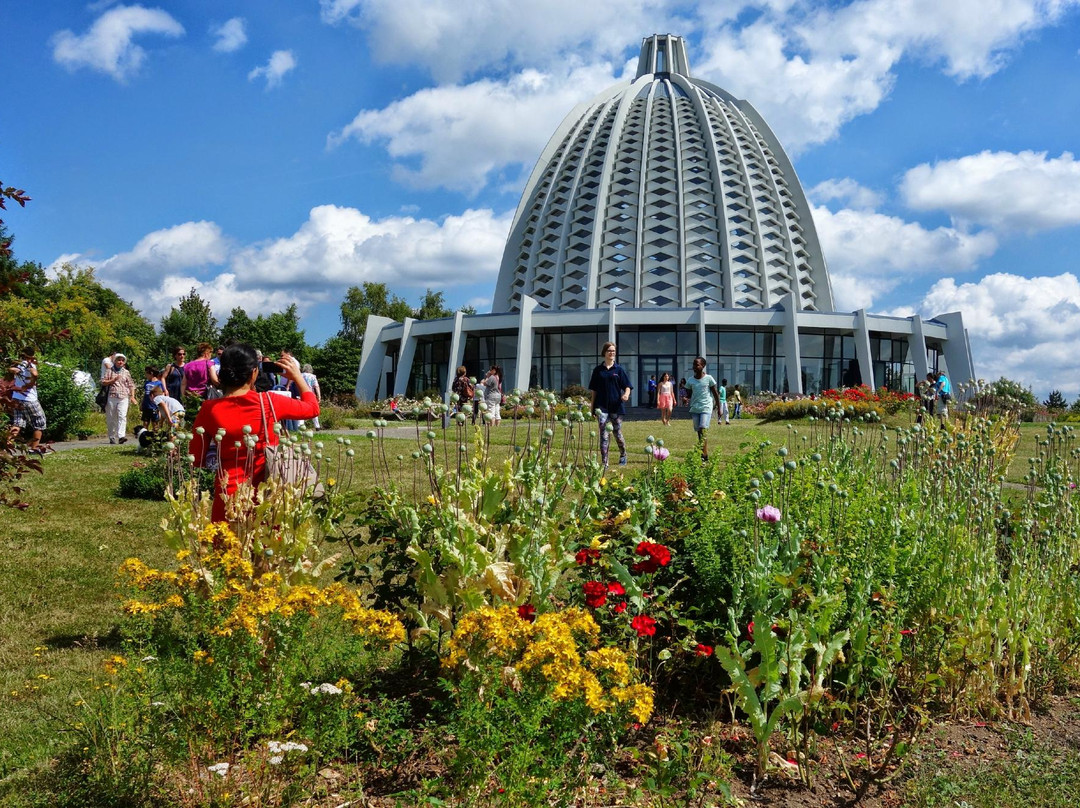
704, 398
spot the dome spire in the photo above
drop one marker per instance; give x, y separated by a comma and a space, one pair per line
663, 53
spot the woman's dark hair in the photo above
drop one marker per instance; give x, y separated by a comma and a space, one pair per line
237, 362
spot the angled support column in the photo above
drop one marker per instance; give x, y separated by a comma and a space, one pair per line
917, 347
405, 358
957, 349
793, 359
524, 343
457, 353
862, 348
701, 346
372, 358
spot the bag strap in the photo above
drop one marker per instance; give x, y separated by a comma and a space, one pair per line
265, 430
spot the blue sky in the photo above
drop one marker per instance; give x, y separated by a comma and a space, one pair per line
276, 153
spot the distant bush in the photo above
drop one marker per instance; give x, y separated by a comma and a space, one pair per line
144, 481
64, 402
576, 391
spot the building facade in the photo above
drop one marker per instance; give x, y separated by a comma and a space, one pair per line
664, 216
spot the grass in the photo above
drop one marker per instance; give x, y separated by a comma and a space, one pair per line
58, 604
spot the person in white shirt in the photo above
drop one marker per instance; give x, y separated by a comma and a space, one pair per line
172, 411
28, 411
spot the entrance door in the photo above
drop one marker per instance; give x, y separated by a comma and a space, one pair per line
652, 366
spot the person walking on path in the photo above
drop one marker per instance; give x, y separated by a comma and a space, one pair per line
944, 394
174, 373
652, 392
723, 415
462, 387
684, 397
927, 391
736, 397
666, 398
121, 394
493, 394
703, 396
313, 382
28, 412
610, 386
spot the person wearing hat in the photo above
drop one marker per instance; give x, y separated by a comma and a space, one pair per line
28, 412
121, 394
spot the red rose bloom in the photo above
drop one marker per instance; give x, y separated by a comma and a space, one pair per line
595, 594
644, 625
647, 566
703, 650
620, 607
587, 557
750, 629
527, 612
615, 588
657, 553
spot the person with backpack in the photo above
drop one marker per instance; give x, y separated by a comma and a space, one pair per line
463, 387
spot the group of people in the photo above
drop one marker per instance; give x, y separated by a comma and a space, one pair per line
161, 397
935, 393
610, 387
488, 390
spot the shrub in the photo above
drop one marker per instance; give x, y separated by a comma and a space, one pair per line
144, 481
576, 391
64, 402
820, 408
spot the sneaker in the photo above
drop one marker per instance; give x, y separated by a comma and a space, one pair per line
123, 440
622, 460
112, 441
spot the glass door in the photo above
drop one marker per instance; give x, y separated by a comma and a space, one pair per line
653, 367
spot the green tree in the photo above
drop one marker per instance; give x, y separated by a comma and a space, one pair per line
1056, 402
336, 363
272, 333
432, 306
238, 328
188, 323
1007, 388
363, 301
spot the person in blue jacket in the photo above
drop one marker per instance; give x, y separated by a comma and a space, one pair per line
610, 386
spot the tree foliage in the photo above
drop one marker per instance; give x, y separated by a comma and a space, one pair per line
188, 323
1007, 388
1056, 402
369, 299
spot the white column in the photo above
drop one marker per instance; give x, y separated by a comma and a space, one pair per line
405, 358
917, 347
792, 356
862, 348
457, 352
701, 330
524, 343
611, 323
372, 357
957, 349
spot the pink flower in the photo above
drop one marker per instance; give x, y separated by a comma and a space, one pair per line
770, 513
661, 453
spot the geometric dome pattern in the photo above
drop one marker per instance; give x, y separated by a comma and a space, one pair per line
663, 192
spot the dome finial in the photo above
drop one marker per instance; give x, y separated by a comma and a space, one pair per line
663, 53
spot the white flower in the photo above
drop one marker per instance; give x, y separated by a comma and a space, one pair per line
219, 768
276, 760
327, 689
149, 659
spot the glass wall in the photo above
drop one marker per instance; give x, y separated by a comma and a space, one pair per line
428, 375
492, 348
892, 363
828, 361
564, 358
752, 359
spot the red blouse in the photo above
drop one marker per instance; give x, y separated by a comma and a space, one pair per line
232, 414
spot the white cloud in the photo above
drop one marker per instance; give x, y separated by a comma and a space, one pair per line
182, 247
870, 253
457, 38
1024, 328
231, 35
1025, 191
340, 246
109, 45
462, 135
281, 62
846, 191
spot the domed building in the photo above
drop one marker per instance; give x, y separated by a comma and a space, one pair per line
664, 216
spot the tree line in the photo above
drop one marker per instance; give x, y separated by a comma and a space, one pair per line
75, 320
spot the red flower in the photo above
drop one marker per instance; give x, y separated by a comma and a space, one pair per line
907, 632
750, 629
527, 612
595, 594
644, 625
587, 557
703, 650
615, 588
620, 607
647, 566
657, 552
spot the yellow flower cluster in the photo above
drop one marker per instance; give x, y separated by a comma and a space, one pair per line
551, 646
253, 598
114, 664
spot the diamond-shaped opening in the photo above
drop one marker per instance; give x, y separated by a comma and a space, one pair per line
661, 242
662, 286
579, 260
742, 259
660, 256
620, 257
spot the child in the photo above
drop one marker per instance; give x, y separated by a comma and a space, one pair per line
153, 386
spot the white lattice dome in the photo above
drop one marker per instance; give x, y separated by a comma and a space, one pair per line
663, 192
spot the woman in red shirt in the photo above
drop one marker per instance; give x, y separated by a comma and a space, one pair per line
242, 407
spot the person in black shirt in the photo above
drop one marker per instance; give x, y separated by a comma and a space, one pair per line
610, 386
